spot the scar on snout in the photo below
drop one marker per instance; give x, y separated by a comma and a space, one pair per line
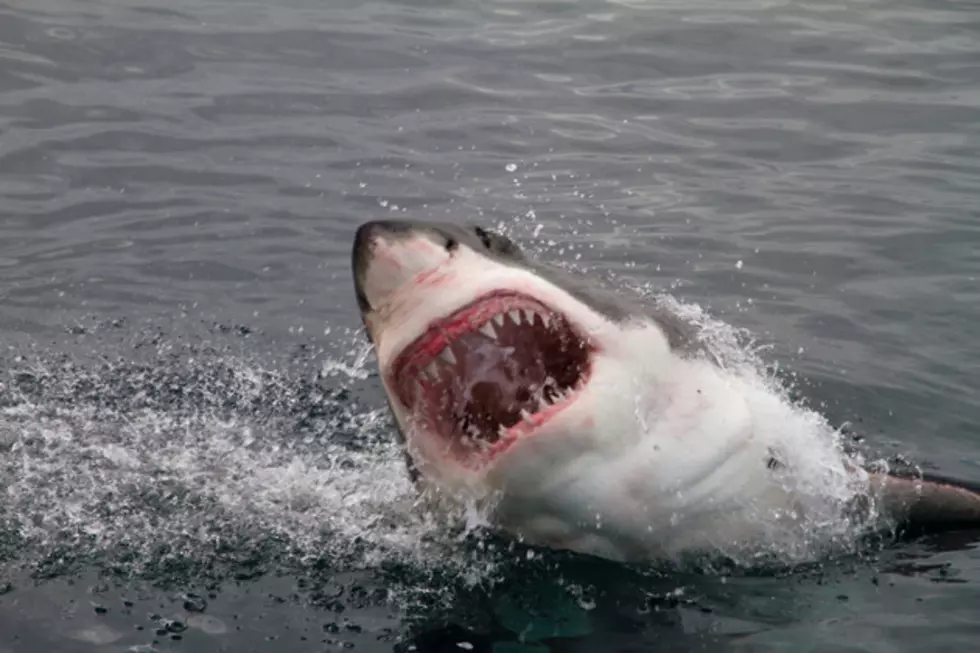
430, 277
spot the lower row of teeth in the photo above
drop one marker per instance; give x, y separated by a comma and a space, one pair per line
472, 439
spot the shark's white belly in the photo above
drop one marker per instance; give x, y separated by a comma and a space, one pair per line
704, 464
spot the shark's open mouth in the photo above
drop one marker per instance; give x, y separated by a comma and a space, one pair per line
499, 367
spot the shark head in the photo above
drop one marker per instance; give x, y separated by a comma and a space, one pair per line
493, 363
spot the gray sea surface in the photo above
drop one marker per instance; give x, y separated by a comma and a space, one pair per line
195, 449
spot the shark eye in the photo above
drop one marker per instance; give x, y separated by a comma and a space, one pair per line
451, 244
484, 237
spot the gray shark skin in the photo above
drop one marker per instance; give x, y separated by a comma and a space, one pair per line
579, 417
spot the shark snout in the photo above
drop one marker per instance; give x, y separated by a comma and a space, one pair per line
388, 254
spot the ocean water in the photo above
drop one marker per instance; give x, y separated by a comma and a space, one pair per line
195, 449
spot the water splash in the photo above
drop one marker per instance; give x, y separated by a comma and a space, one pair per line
162, 452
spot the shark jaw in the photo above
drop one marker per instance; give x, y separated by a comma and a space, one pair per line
490, 368
496, 370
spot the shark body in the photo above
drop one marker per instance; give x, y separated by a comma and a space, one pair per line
581, 418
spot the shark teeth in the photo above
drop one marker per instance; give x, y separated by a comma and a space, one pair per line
520, 316
433, 371
448, 356
492, 329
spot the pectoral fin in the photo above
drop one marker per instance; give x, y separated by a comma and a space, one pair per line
928, 502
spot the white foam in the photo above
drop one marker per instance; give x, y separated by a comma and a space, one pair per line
94, 479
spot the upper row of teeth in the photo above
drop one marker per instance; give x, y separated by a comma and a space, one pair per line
517, 316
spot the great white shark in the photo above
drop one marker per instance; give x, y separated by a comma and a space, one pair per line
575, 416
